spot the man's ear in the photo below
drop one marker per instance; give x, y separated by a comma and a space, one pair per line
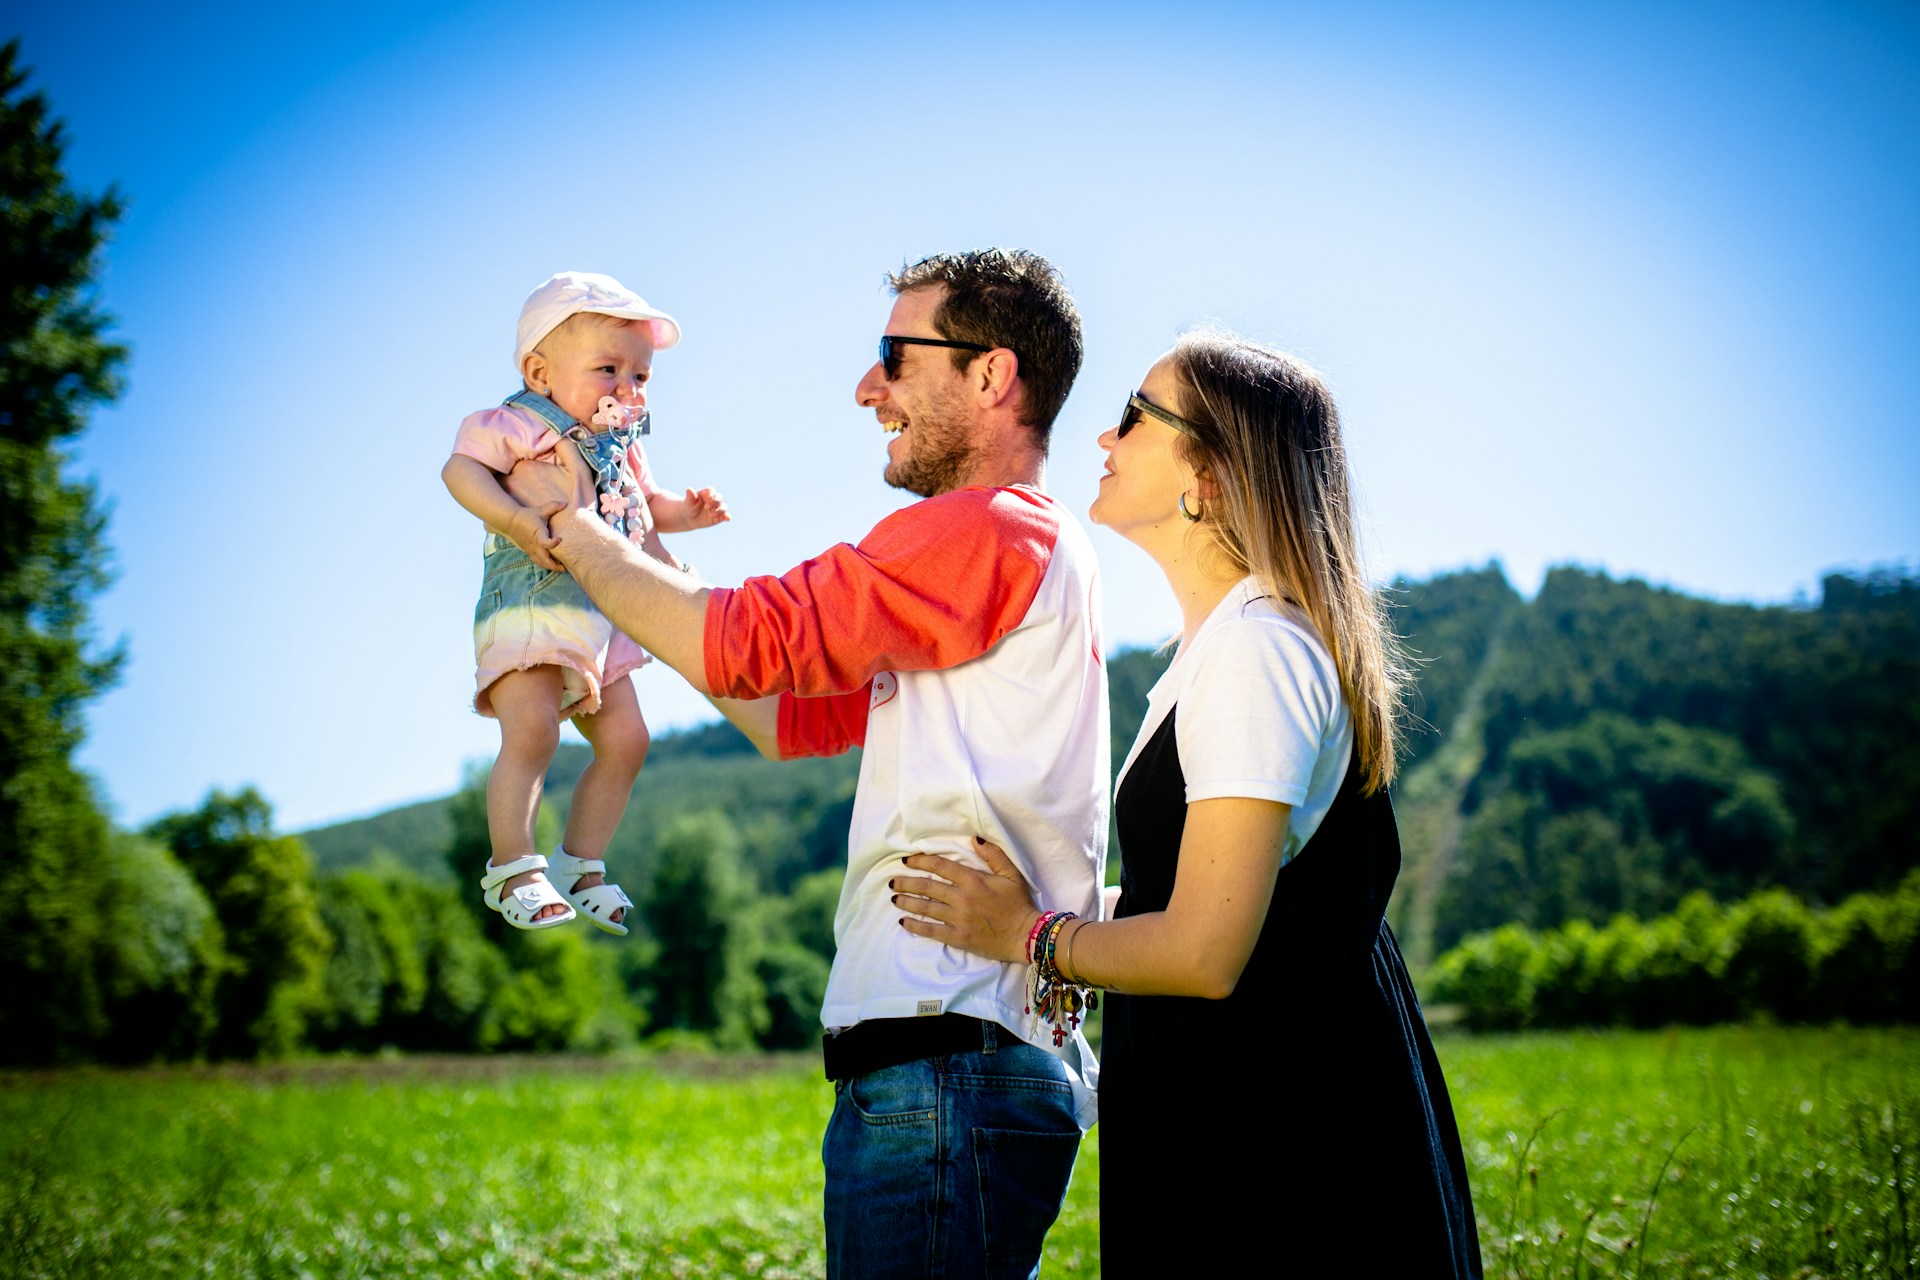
536, 371
997, 377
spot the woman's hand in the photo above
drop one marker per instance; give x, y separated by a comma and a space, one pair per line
988, 913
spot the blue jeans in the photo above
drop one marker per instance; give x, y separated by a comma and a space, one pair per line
949, 1168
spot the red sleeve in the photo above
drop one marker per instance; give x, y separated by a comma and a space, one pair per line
931, 587
824, 726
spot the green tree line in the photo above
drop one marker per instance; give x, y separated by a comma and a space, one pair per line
1611, 808
1766, 956
241, 950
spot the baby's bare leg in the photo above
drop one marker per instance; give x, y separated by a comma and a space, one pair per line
619, 737
528, 704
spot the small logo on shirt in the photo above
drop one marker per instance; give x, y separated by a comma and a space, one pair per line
885, 685
927, 1008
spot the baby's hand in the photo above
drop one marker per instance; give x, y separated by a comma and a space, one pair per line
705, 508
529, 532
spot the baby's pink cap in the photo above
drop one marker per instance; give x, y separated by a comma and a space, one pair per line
572, 292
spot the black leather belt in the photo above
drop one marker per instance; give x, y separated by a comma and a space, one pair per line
887, 1042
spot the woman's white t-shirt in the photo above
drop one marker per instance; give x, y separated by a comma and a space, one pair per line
1260, 710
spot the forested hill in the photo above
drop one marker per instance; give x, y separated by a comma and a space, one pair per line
1605, 747
1610, 746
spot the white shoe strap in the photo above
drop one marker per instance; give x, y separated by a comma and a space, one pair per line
498, 872
570, 868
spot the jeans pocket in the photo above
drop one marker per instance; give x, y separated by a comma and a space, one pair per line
884, 1211
1023, 1182
484, 614
892, 1095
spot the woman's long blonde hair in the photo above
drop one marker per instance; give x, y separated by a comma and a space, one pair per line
1268, 435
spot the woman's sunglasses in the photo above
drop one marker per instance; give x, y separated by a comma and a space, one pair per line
1137, 406
890, 350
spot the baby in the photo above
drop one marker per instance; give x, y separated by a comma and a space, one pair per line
584, 355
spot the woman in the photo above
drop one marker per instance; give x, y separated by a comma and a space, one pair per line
1268, 1095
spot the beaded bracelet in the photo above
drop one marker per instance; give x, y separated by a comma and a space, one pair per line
1038, 925
1058, 1000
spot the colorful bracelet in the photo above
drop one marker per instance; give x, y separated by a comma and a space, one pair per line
1038, 925
1058, 1001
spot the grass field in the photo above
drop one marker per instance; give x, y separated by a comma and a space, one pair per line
1728, 1152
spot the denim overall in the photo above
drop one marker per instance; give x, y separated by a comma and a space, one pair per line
606, 455
529, 616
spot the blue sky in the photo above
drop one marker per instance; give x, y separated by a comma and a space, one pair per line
1628, 286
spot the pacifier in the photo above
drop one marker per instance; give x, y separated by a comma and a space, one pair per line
615, 416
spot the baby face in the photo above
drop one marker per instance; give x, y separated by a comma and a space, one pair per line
586, 359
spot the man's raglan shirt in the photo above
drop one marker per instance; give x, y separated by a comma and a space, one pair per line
959, 645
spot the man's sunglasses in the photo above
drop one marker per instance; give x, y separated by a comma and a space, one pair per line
890, 351
1137, 406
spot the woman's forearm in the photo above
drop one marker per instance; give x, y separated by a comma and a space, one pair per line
1144, 955
1229, 857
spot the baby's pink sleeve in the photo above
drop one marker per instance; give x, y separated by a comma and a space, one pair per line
637, 459
499, 437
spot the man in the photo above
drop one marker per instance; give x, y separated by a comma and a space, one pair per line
959, 644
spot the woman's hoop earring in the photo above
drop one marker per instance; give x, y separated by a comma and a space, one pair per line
1191, 517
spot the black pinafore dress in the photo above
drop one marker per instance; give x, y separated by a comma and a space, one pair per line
1301, 1126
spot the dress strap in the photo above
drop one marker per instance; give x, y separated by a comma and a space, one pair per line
556, 418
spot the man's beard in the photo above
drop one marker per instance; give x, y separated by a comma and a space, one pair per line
940, 453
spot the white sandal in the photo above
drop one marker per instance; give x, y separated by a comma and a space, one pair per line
522, 904
598, 903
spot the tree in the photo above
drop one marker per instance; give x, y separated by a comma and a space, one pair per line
697, 908
163, 954
57, 365
1615, 815
263, 893
796, 958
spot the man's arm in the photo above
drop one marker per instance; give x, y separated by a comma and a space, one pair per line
932, 586
662, 608
757, 718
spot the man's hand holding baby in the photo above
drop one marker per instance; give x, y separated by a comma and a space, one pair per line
623, 579
543, 491
529, 532
547, 492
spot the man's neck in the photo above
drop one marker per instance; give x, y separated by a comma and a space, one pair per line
1021, 464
